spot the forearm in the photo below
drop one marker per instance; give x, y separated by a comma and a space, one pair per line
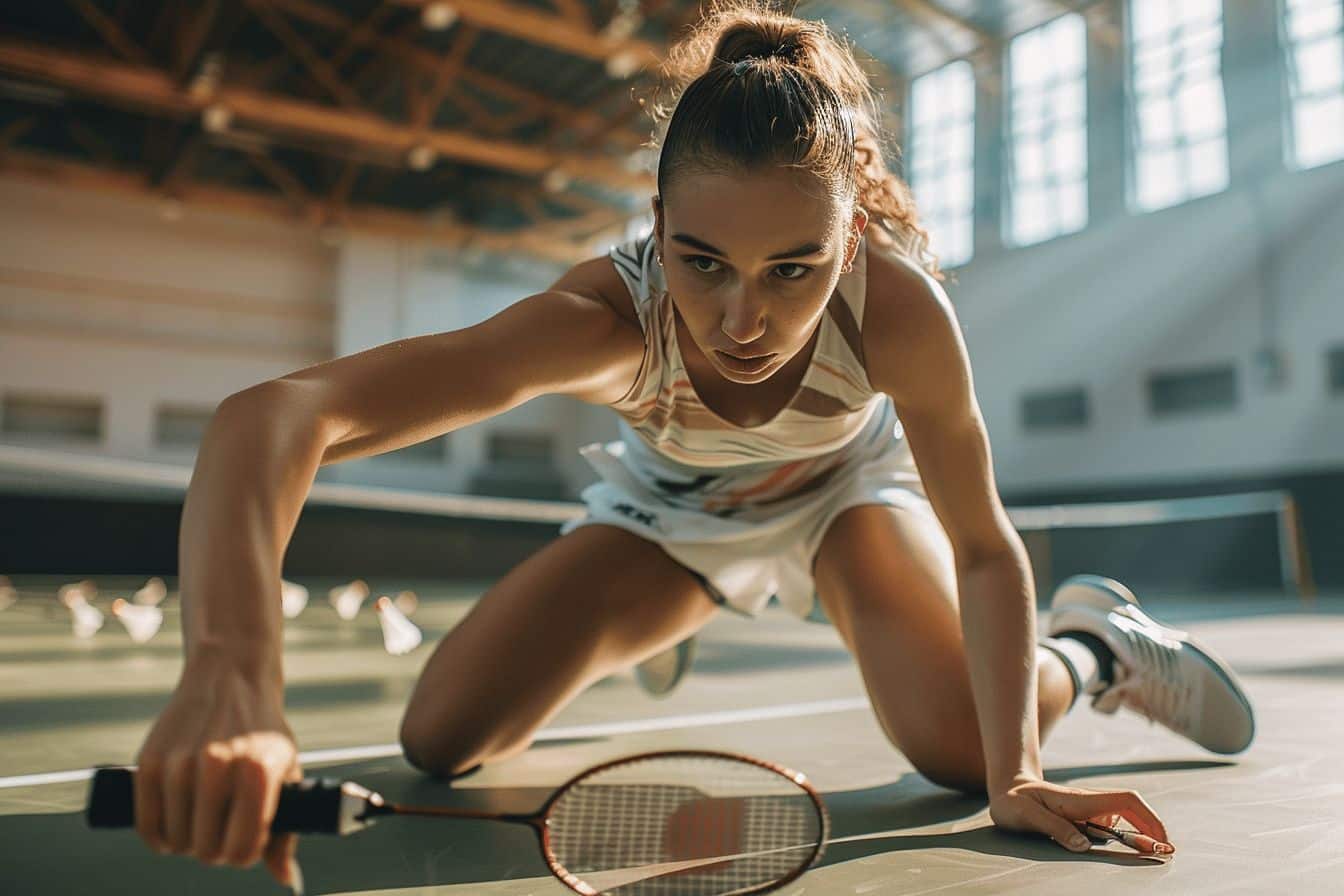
998, 619
252, 474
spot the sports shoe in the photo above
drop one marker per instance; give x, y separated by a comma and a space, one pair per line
1160, 672
660, 674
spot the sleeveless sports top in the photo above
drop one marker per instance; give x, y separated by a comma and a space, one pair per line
690, 456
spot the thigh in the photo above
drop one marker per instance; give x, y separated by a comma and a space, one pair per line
592, 602
887, 579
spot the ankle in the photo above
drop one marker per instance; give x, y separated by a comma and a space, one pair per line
1105, 657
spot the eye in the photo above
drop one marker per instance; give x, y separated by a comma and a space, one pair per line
695, 260
802, 271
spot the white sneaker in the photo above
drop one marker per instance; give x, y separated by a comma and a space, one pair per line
660, 674
1160, 672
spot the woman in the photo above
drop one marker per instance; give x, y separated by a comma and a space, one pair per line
798, 419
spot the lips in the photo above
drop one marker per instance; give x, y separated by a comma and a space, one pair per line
740, 364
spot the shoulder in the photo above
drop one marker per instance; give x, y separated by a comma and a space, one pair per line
911, 335
598, 279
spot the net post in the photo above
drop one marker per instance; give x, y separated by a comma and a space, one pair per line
1293, 558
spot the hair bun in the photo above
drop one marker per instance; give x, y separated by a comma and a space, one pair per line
749, 43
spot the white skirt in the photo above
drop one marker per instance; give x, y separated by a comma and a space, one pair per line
744, 562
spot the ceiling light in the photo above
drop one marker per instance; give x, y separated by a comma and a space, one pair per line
421, 157
623, 64
216, 118
555, 181
438, 16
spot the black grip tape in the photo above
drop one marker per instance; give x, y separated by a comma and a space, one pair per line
312, 806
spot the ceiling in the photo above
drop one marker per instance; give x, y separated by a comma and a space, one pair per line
499, 124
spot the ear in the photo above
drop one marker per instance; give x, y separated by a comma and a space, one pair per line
657, 204
857, 225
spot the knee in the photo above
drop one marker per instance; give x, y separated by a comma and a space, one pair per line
964, 780
949, 768
434, 754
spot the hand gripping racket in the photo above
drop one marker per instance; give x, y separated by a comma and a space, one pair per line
673, 823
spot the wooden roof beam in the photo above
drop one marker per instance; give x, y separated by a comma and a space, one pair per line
545, 29
156, 91
111, 32
405, 51
321, 71
380, 222
929, 10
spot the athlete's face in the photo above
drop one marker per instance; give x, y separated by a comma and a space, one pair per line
751, 261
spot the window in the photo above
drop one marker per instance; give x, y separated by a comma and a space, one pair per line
1178, 128
1047, 157
62, 418
941, 152
1174, 393
1055, 409
430, 451
520, 448
1335, 370
180, 427
1313, 38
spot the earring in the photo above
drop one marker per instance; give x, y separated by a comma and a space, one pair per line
660, 261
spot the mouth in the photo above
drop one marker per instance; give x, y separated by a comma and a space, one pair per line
745, 365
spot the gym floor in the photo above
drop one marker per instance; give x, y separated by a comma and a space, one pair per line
1266, 821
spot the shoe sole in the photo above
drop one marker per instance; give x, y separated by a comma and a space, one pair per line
663, 688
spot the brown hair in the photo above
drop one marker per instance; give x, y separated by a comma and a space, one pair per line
751, 85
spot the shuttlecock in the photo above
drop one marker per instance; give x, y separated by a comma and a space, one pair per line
400, 635
141, 622
347, 599
406, 602
76, 593
293, 598
151, 594
85, 618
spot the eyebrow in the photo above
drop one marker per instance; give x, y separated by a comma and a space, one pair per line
797, 252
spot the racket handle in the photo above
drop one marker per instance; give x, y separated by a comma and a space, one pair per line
310, 806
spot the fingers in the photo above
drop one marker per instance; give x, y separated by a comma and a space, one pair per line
214, 779
1057, 827
1106, 807
280, 856
149, 803
178, 797
255, 796
281, 861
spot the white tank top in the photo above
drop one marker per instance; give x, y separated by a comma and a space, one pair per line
691, 456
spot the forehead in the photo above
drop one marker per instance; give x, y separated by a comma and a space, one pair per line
751, 213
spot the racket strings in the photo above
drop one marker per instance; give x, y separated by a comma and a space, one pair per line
640, 829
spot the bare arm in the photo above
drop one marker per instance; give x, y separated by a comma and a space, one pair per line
916, 354
262, 450
211, 767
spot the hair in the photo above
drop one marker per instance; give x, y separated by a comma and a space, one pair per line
750, 86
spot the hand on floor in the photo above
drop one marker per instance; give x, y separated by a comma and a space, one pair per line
1058, 812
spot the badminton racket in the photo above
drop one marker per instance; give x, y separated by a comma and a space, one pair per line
670, 823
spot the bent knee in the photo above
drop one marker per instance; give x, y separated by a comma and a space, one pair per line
963, 774
435, 755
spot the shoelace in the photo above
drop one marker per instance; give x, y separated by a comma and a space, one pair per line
1156, 688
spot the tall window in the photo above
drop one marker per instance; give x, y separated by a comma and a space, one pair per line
1314, 40
1179, 126
1047, 174
941, 151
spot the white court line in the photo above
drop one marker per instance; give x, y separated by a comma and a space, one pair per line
665, 723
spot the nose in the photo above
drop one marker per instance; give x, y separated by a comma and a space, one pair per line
743, 320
